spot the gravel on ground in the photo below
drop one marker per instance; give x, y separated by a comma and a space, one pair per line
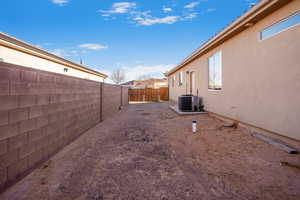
147, 151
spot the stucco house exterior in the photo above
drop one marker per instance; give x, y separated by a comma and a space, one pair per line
250, 71
18, 52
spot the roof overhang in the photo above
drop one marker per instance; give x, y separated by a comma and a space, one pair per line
251, 17
16, 44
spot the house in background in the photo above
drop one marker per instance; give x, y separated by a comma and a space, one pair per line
250, 71
154, 83
18, 52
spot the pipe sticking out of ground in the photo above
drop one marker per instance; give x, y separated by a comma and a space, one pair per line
194, 126
276, 143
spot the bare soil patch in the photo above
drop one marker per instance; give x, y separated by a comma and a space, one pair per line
148, 152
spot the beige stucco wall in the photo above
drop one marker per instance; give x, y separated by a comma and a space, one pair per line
19, 58
261, 78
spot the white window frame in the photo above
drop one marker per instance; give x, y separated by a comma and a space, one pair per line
215, 66
277, 23
180, 81
173, 80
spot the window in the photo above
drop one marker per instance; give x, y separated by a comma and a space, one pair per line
173, 81
280, 26
180, 78
215, 71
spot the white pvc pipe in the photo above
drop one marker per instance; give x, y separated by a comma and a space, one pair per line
194, 126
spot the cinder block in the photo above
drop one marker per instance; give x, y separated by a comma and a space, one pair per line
54, 128
29, 76
4, 73
17, 115
27, 125
60, 143
53, 108
42, 121
3, 147
56, 117
22, 88
9, 130
3, 118
35, 157
16, 169
17, 141
64, 97
7, 73
54, 137
43, 99
8, 102
37, 111
36, 134
8, 159
26, 150
55, 98
68, 108
3, 176
42, 143
45, 78
46, 152
52, 148
59, 90
59, 79
4, 87
45, 88
27, 100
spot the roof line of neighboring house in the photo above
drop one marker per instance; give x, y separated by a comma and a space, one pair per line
19, 45
251, 17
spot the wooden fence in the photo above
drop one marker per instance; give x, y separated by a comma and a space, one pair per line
149, 94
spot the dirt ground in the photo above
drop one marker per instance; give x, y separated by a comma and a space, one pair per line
148, 152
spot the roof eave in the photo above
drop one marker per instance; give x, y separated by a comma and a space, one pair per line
257, 13
19, 45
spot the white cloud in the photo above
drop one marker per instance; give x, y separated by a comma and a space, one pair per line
155, 71
149, 20
191, 16
95, 47
120, 8
60, 2
145, 18
191, 5
134, 72
166, 10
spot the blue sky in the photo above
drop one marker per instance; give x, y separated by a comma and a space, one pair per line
142, 37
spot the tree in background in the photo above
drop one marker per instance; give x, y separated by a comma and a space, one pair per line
118, 76
143, 77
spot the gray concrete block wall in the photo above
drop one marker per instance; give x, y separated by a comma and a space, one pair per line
111, 100
41, 112
125, 97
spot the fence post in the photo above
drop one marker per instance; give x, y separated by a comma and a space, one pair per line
121, 99
101, 101
158, 94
